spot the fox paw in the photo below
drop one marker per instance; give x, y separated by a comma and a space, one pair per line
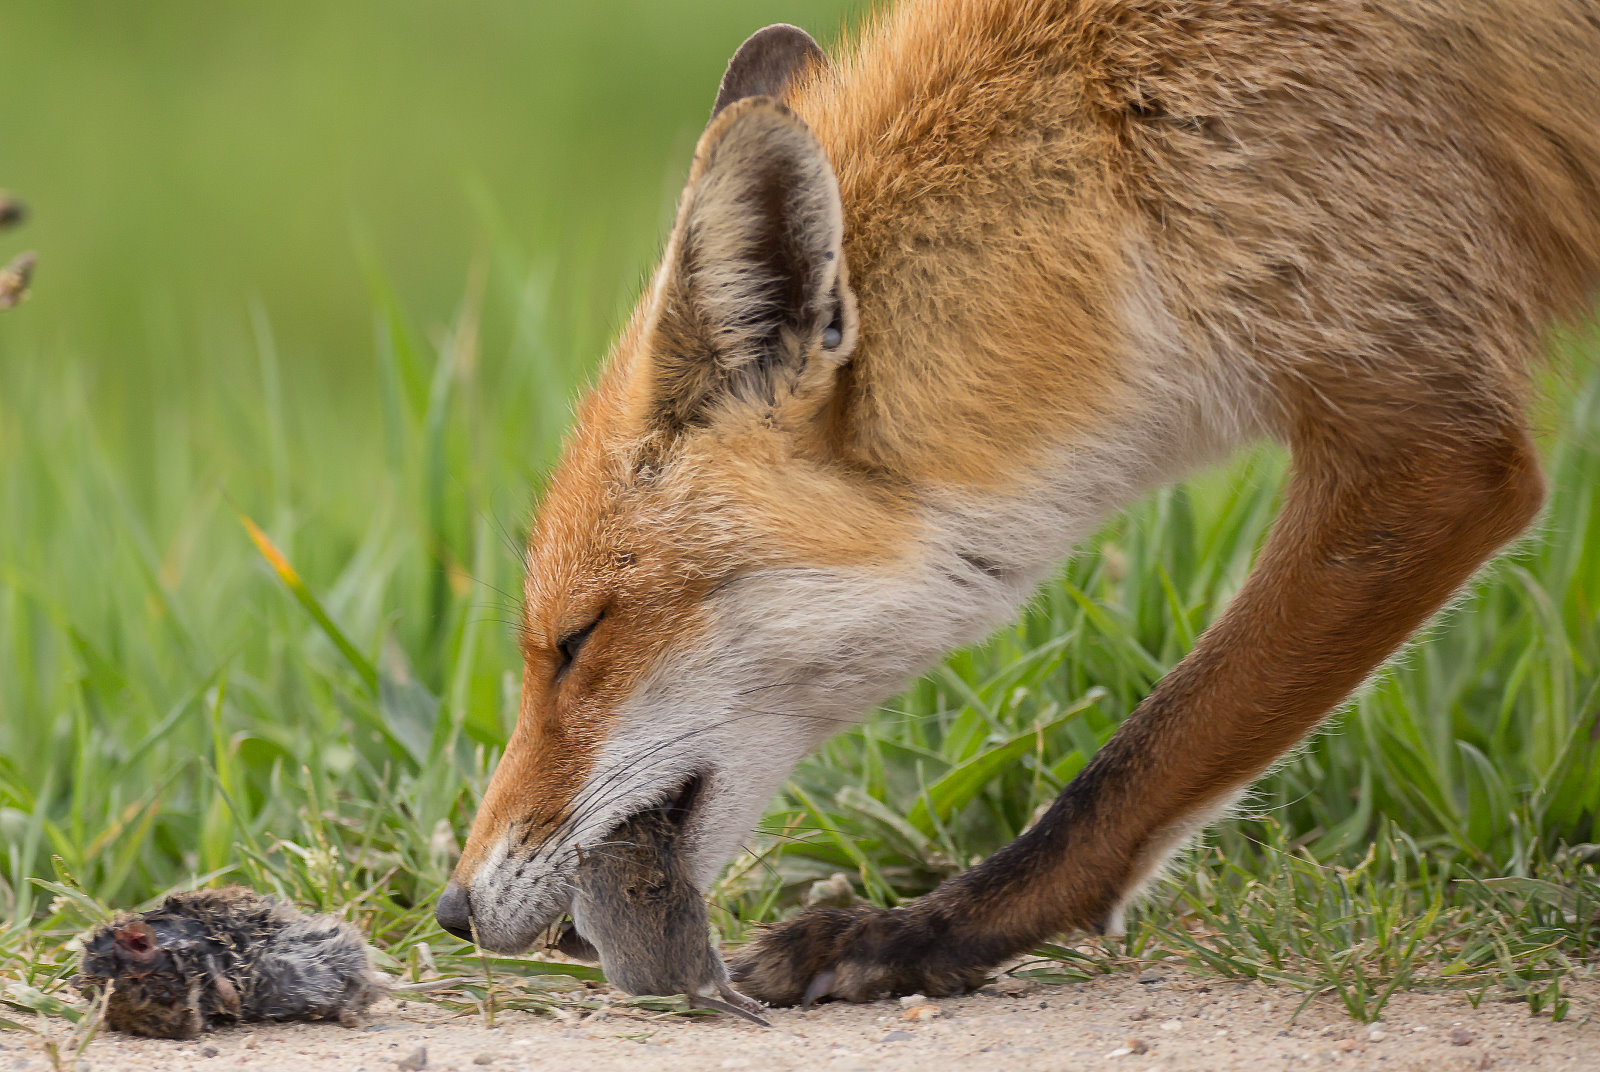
856, 954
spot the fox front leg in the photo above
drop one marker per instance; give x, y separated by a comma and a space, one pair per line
1367, 547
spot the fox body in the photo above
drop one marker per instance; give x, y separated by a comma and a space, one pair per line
931, 310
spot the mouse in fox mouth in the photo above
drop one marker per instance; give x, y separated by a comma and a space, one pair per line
223, 956
638, 912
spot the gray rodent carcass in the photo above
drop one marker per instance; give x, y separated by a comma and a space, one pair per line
222, 956
637, 910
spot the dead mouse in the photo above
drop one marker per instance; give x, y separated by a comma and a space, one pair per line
635, 902
221, 956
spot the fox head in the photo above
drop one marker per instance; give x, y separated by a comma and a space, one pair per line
713, 585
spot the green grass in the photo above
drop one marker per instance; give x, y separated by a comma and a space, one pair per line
381, 397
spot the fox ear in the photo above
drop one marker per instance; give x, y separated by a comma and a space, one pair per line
752, 291
767, 63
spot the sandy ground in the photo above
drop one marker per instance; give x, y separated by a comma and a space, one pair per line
1161, 1020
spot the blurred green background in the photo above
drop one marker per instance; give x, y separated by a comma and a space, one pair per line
341, 268
187, 162
258, 227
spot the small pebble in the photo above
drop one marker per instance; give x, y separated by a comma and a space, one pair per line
1376, 1035
1460, 1036
208, 1051
897, 1036
913, 999
1171, 1025
416, 1059
918, 1013
1345, 1045
1141, 1013
1137, 1045
485, 1058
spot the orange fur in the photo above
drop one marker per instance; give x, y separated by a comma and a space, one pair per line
999, 267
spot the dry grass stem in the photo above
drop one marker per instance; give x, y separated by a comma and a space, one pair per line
14, 280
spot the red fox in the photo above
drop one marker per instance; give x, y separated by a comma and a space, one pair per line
931, 310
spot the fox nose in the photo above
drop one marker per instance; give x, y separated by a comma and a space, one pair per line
454, 911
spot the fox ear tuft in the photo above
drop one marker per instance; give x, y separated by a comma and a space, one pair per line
767, 63
753, 286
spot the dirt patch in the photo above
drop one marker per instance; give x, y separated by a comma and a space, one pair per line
1163, 1020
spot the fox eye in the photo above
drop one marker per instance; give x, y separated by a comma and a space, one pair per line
572, 643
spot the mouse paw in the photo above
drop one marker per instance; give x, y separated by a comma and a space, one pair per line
857, 954
750, 1006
